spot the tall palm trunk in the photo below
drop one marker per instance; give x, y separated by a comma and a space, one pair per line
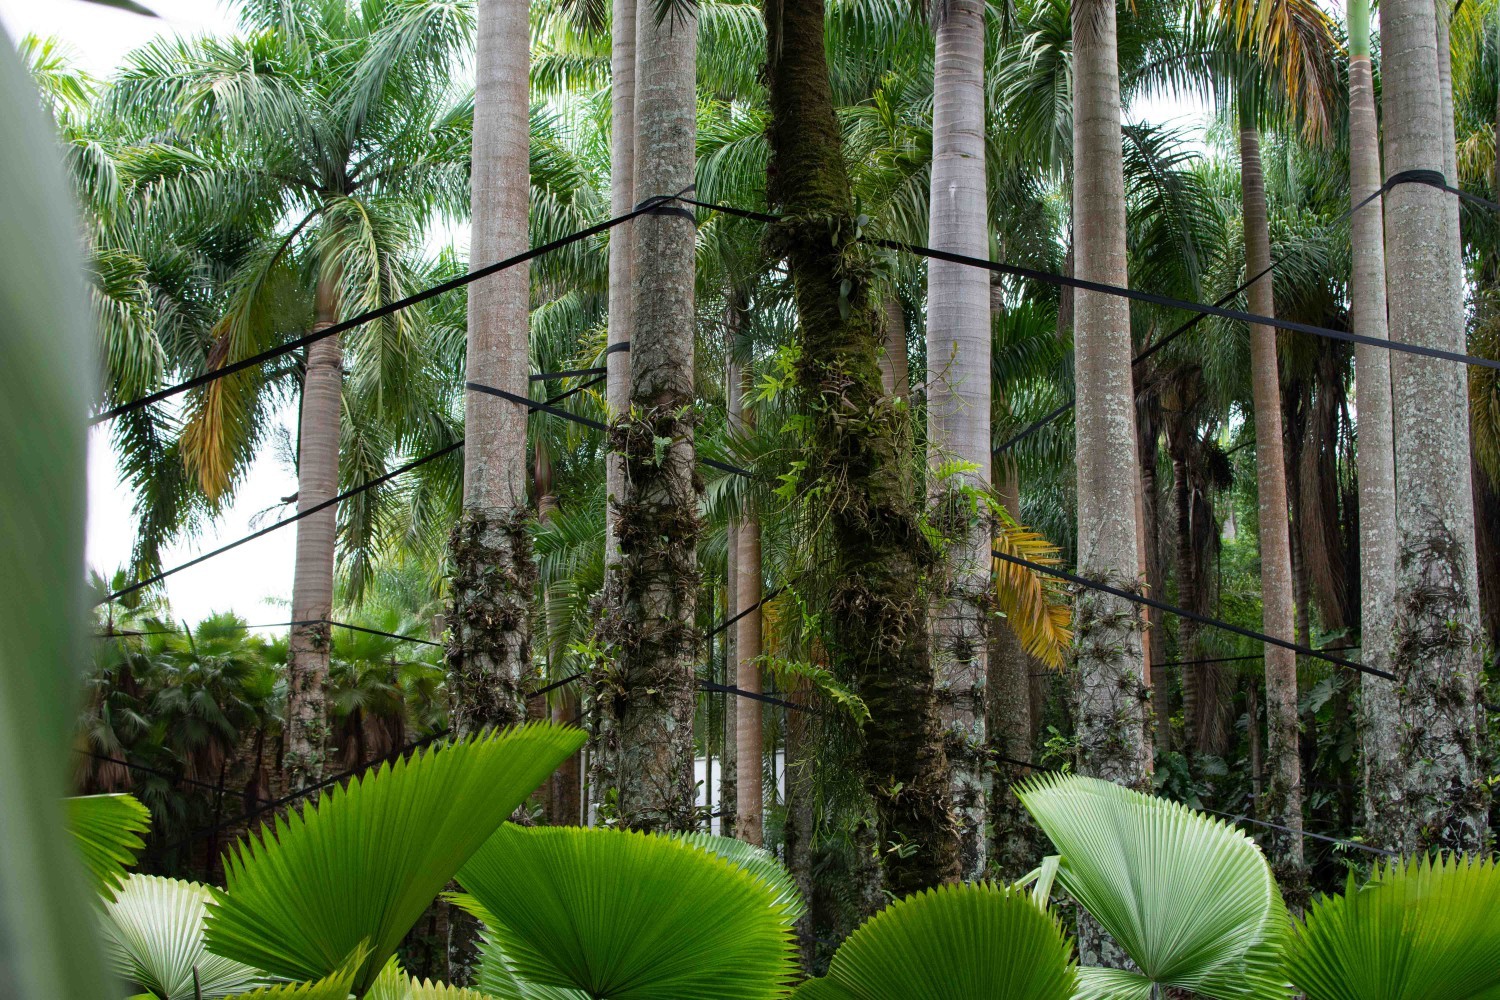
1112, 697
306, 746
621, 305
1281, 800
1375, 455
1010, 726
873, 552
489, 649
958, 412
748, 735
1436, 635
656, 523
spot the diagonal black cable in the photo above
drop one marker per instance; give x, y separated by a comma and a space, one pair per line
372, 631
144, 769
388, 309
316, 508
755, 696
1172, 609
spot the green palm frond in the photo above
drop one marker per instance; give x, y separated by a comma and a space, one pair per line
1190, 899
1420, 929
153, 933
758, 862
393, 983
107, 830
622, 915
364, 862
952, 943
337, 985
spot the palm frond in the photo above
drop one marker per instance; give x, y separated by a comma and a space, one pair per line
107, 830
153, 933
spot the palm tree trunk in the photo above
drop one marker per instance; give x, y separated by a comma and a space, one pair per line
958, 410
1281, 800
1010, 725
749, 796
489, 649
1375, 455
1112, 696
306, 747
872, 551
621, 305
895, 370
1436, 635
656, 519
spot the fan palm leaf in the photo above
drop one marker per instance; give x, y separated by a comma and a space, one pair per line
107, 829
153, 932
364, 862
1190, 899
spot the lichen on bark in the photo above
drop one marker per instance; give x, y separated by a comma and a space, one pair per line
489, 644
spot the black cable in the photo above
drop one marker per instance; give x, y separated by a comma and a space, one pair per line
754, 696
1240, 818
379, 313
316, 508
371, 631
773, 592
1236, 659
176, 778
572, 373
1191, 615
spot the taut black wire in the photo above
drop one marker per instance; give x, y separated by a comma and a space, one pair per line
177, 778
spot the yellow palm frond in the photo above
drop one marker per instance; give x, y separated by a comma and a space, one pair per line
1036, 606
1296, 40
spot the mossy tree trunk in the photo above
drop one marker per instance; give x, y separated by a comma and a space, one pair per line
873, 551
651, 695
1436, 637
489, 648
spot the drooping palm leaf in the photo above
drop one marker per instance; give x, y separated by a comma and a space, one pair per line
107, 830
1419, 930
952, 943
630, 916
1036, 607
365, 861
153, 931
1190, 899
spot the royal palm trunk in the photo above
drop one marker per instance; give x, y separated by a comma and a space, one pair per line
1436, 637
871, 550
489, 648
306, 747
746, 572
652, 696
1281, 801
1010, 725
1375, 455
958, 410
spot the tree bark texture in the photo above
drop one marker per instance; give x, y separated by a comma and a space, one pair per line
749, 794
872, 550
489, 647
958, 412
1436, 637
652, 694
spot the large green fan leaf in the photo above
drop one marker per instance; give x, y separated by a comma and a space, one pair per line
757, 861
393, 983
952, 943
1420, 930
107, 829
365, 861
153, 931
1190, 899
630, 916
335, 986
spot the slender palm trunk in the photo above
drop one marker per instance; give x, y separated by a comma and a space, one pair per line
1010, 725
1436, 637
621, 306
872, 551
489, 648
306, 747
1375, 456
1112, 696
958, 411
1281, 800
895, 370
749, 738
656, 519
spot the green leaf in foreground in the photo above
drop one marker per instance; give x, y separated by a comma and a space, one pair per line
107, 829
153, 933
630, 916
952, 943
364, 862
1419, 930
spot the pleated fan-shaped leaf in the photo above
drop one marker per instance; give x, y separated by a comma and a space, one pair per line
153, 933
335, 986
757, 861
394, 983
963, 942
364, 862
630, 916
1190, 899
107, 829
1419, 930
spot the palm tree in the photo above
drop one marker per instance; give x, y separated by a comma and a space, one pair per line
656, 520
1436, 633
1113, 701
493, 574
958, 409
1377, 473
334, 120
